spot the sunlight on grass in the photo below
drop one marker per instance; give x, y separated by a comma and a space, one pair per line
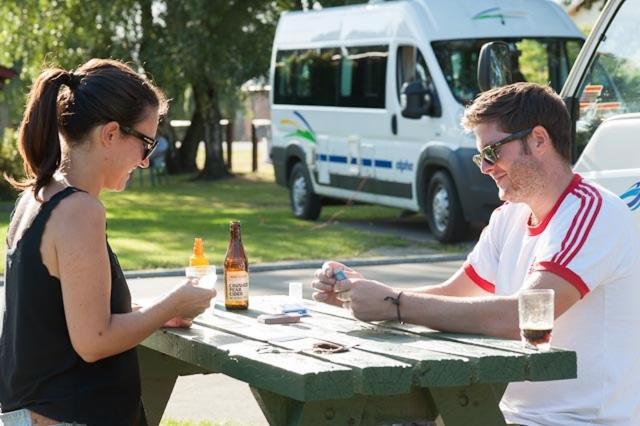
155, 228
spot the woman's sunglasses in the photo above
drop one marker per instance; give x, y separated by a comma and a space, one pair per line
149, 142
490, 153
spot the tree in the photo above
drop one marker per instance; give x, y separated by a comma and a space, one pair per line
215, 50
200, 52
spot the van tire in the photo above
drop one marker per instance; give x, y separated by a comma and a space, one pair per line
305, 204
443, 209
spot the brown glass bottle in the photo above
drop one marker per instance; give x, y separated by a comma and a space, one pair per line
236, 271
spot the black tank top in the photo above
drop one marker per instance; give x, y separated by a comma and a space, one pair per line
39, 369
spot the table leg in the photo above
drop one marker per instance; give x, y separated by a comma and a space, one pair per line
360, 410
158, 375
469, 405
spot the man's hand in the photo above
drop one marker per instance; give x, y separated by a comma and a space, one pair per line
325, 285
368, 300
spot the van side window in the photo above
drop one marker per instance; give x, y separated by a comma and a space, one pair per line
611, 84
306, 77
283, 81
410, 65
346, 76
363, 76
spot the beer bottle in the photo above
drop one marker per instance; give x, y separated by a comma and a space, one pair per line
197, 257
236, 271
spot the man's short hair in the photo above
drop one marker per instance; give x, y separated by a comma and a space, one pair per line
522, 106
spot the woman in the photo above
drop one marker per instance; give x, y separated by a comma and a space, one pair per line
67, 344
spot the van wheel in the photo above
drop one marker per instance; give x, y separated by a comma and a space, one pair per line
305, 204
444, 212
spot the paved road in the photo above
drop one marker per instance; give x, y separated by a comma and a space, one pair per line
217, 397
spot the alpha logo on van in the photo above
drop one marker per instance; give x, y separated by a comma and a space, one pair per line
404, 165
299, 131
497, 13
632, 196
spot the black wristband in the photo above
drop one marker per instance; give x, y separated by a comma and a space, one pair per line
396, 301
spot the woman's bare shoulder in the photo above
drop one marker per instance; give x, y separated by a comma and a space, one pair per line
79, 211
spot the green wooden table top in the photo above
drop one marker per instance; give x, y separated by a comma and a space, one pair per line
382, 358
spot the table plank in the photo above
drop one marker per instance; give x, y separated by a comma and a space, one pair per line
429, 368
290, 374
374, 374
557, 364
533, 365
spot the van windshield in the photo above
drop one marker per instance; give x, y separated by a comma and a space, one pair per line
536, 60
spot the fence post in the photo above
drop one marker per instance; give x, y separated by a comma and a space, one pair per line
254, 148
229, 137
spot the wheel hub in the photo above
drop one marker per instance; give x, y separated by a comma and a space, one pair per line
299, 194
440, 208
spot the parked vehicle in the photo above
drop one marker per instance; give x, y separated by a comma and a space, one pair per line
602, 93
366, 101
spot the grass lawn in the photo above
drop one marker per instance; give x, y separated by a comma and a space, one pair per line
154, 227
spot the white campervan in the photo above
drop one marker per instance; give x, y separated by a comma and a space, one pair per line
366, 100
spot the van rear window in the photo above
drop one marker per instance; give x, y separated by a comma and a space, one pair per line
340, 76
536, 60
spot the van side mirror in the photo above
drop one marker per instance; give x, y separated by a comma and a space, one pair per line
416, 100
494, 65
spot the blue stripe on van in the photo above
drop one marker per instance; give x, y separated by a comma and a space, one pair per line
367, 162
384, 164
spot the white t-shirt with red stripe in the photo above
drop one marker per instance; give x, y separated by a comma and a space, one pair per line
590, 239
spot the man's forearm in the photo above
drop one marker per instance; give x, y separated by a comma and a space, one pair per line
492, 316
437, 290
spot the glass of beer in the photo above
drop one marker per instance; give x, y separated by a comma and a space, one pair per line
536, 313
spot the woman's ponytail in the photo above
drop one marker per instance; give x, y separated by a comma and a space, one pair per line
38, 140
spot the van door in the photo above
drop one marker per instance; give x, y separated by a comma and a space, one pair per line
608, 121
359, 124
411, 66
411, 135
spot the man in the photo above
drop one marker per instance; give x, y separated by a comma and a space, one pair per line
555, 230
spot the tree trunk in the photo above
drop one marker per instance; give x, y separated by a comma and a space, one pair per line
189, 146
207, 102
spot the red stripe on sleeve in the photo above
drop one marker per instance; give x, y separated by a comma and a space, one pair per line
564, 273
571, 230
598, 200
481, 282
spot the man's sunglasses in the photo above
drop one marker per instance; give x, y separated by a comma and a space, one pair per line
149, 142
490, 153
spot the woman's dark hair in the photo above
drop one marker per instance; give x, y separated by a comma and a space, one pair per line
100, 91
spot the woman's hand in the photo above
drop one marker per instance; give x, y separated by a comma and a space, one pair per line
178, 322
190, 301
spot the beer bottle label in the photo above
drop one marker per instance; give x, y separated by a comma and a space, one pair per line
237, 286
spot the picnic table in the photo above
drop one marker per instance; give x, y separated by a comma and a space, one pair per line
387, 373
